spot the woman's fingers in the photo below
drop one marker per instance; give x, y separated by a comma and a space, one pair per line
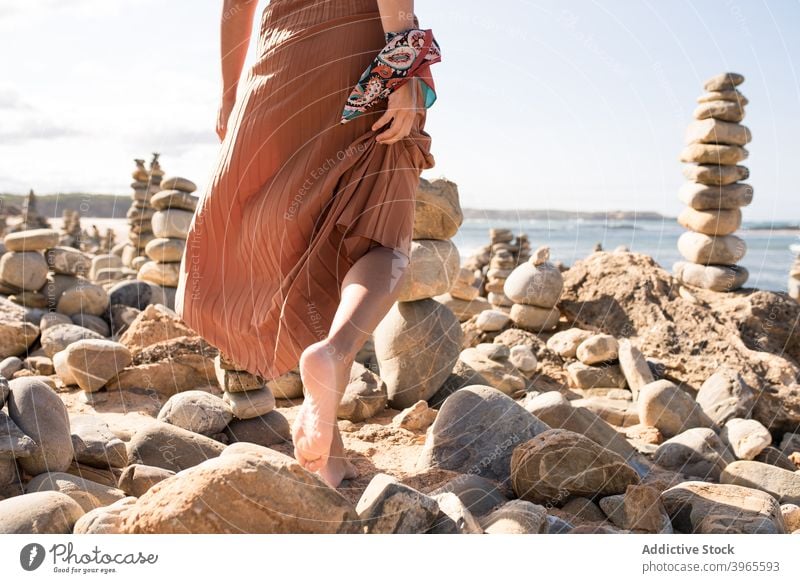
401, 127
384, 119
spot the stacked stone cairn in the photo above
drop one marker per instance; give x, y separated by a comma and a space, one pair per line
715, 194
145, 184
794, 275
173, 208
534, 288
31, 219
71, 232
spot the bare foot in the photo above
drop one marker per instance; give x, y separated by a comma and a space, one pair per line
338, 467
324, 376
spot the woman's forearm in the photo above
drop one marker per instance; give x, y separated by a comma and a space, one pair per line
396, 15
236, 28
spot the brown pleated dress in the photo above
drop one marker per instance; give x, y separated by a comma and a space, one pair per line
296, 197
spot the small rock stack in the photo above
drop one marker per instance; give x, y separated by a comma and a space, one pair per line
246, 394
794, 275
31, 219
500, 266
173, 209
145, 184
534, 288
715, 195
71, 233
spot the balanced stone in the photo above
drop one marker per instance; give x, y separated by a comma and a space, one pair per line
174, 199
713, 154
364, 396
178, 183
746, 437
724, 95
705, 249
170, 447
715, 131
697, 452
247, 404
558, 464
724, 110
492, 320
389, 507
712, 277
165, 250
265, 430
438, 214
39, 513
172, 223
25, 270
31, 240
634, 367
432, 270
665, 406
197, 411
714, 175
711, 222
534, 318
165, 274
41, 414
783, 485
723, 82
537, 282
598, 348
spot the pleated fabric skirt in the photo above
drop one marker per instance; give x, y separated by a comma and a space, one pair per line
296, 197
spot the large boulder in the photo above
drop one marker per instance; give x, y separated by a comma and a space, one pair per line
88, 494
433, 270
91, 363
95, 444
697, 452
389, 507
438, 213
197, 411
39, 513
783, 485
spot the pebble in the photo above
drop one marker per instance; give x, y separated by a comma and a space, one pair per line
523, 358
534, 318
705, 249
68, 260
136, 294
91, 363
248, 404
597, 349
454, 517
13, 442
665, 406
105, 519
84, 298
584, 509
534, 285
165, 274
418, 417
197, 411
8, 367
165, 250
437, 214
791, 516
499, 371
364, 396
639, 510
746, 437
634, 367
479, 495
389, 507
725, 395
287, 386
492, 320
607, 376
39, 513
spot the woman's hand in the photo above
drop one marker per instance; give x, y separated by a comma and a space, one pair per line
403, 107
223, 115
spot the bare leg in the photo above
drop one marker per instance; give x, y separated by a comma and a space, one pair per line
368, 291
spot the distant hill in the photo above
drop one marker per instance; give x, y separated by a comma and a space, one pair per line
558, 215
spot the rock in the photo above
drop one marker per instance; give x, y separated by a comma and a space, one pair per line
176, 199
479, 495
790, 443
93, 323
165, 250
476, 431
665, 406
715, 131
248, 404
712, 277
68, 260
104, 520
559, 464
13, 442
51, 319
265, 430
585, 509
791, 516
39, 365
746, 437
58, 338
364, 396
705, 249
432, 271
41, 414
389, 507
236, 381
31, 240
725, 395
84, 298
438, 213
170, 447
774, 457
702, 508
492, 320
697, 452
714, 175
248, 489
287, 386
713, 154
454, 517
619, 412
16, 337
523, 358
783, 485
95, 444
196, 411
724, 95
136, 294
8, 367
172, 223
634, 367
418, 417
177, 183
606, 376
165, 274
462, 376
500, 373
104, 261
703, 197
534, 318
639, 510
723, 110
597, 349
416, 346
92, 363
156, 323
566, 342
516, 517
136, 479
88, 494
711, 222
463, 309
723, 82
39, 513
534, 285
25, 270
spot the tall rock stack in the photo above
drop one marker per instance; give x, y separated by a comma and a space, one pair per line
71, 232
534, 288
500, 266
418, 341
31, 219
173, 208
714, 196
794, 275
140, 212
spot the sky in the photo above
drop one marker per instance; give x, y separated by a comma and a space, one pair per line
576, 105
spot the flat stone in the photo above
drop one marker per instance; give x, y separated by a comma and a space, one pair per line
95, 444
41, 414
713, 154
714, 175
177, 183
584, 376
92, 363
196, 411
433, 270
166, 274
723, 110
248, 489
165, 250
517, 517
706, 249
39, 513
725, 395
665, 406
170, 447
389, 507
533, 318
476, 431
31, 240
720, 278
634, 367
724, 95
265, 430
68, 260
454, 517
703, 197
597, 349
88, 494
702, 508
783, 485
711, 222
723, 82
174, 199
746, 437
696, 452
715, 131
136, 479
247, 404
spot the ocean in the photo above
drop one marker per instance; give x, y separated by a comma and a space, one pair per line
768, 256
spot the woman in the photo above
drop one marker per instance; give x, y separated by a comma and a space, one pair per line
298, 244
